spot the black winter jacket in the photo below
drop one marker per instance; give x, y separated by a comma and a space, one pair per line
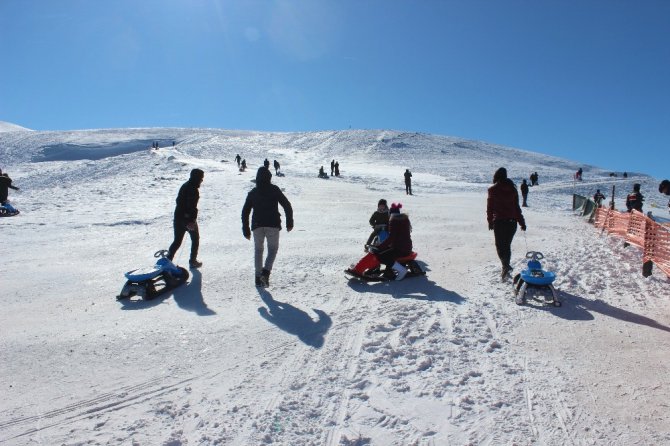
187, 202
5, 185
264, 200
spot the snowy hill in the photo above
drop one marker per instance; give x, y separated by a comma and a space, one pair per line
9, 127
317, 359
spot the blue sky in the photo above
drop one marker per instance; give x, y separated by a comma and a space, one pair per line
587, 80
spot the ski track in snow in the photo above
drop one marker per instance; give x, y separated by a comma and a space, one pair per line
317, 359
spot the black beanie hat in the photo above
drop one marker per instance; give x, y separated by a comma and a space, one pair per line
382, 201
663, 185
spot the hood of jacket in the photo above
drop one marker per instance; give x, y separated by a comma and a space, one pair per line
263, 177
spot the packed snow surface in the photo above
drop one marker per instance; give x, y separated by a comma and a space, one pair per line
316, 358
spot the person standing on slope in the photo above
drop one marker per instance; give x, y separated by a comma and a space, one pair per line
408, 182
635, 199
503, 214
524, 193
186, 216
264, 200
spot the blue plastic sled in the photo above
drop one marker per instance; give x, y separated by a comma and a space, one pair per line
534, 277
149, 283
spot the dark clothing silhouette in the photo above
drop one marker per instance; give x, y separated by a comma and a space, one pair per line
186, 215
408, 182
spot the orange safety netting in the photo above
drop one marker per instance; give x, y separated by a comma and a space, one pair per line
639, 230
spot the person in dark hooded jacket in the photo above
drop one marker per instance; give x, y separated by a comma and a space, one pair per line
503, 214
264, 200
5, 185
186, 216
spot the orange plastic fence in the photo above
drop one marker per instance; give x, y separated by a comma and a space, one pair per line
639, 230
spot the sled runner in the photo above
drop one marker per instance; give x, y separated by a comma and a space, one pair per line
534, 280
377, 275
149, 283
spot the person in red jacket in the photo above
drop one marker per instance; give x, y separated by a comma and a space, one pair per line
503, 214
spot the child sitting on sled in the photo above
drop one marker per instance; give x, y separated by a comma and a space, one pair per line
379, 222
397, 244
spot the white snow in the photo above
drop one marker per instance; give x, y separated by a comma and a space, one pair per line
316, 359
10, 127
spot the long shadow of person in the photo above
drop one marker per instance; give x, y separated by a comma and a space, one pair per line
189, 296
576, 305
295, 321
419, 288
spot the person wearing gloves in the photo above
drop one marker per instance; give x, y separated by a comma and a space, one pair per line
503, 214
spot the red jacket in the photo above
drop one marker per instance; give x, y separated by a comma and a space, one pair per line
503, 203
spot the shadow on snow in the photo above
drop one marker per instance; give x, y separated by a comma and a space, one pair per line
188, 297
577, 308
419, 288
295, 321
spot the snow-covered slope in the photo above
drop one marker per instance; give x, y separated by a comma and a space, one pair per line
317, 359
9, 127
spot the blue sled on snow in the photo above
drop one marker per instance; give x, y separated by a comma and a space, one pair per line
149, 283
534, 277
7, 210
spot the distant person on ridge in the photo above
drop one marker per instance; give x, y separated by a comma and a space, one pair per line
408, 182
238, 158
266, 163
503, 213
578, 175
276, 166
243, 166
524, 193
332, 168
264, 201
337, 168
186, 216
635, 199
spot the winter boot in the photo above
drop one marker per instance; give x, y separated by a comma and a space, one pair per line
194, 263
265, 277
400, 271
259, 283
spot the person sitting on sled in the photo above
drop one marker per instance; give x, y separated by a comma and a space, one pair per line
379, 221
398, 244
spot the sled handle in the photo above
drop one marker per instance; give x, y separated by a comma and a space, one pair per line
534, 255
161, 253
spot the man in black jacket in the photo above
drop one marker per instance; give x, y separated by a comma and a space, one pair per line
186, 216
5, 185
264, 200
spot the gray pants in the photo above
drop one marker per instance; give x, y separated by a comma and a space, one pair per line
272, 236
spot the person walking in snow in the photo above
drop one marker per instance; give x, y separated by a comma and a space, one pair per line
524, 193
243, 165
337, 168
635, 199
264, 201
238, 158
503, 214
186, 216
266, 163
379, 221
408, 182
332, 167
276, 166
5, 185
